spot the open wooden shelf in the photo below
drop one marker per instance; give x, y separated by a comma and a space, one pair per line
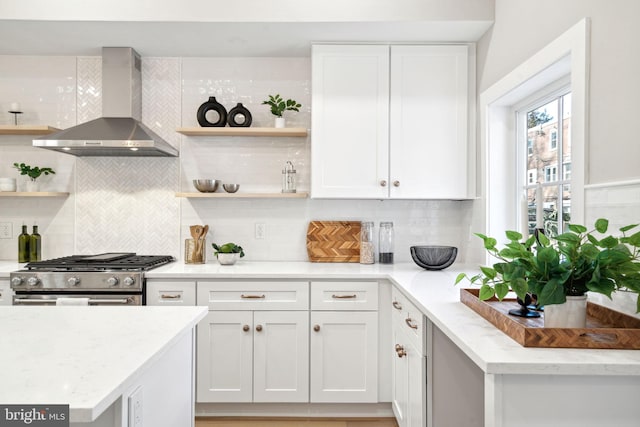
26, 130
33, 194
302, 195
240, 131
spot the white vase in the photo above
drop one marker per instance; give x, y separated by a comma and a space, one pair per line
227, 259
280, 122
32, 186
571, 314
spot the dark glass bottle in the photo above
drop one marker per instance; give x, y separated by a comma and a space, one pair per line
23, 245
35, 245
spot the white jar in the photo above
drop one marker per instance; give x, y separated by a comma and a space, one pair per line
7, 184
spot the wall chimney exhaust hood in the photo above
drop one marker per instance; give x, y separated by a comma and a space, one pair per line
119, 132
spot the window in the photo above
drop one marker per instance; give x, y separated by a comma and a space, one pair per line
553, 139
546, 159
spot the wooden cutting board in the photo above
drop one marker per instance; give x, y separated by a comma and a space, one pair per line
333, 241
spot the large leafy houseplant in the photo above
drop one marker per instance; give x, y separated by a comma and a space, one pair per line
569, 264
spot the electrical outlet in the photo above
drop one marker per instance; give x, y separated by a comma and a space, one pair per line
261, 229
6, 230
135, 408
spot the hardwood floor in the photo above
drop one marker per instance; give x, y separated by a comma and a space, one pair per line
293, 422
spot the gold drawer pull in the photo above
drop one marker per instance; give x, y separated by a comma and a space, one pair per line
397, 305
165, 296
252, 296
334, 296
409, 322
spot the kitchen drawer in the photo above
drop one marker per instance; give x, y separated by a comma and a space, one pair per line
171, 293
352, 296
410, 319
254, 295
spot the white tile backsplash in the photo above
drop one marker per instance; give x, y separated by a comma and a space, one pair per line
120, 204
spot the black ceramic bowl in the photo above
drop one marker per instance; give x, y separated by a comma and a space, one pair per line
434, 257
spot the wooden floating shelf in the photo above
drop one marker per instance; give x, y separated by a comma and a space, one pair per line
302, 195
26, 130
33, 194
240, 131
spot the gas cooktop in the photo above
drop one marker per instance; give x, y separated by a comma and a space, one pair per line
124, 261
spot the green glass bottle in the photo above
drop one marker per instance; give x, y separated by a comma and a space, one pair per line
23, 245
35, 245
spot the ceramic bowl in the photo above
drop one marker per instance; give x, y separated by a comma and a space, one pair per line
206, 185
434, 257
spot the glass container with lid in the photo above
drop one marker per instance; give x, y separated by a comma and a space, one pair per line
367, 249
386, 243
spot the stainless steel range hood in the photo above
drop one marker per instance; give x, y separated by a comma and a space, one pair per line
119, 132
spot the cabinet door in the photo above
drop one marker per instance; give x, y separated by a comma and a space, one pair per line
429, 122
399, 377
281, 356
349, 118
344, 357
417, 387
225, 357
6, 294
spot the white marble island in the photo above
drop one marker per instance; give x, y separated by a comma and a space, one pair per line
94, 358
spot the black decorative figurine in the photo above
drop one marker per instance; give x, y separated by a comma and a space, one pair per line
212, 104
239, 110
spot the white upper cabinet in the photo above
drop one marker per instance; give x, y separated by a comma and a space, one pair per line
391, 121
350, 121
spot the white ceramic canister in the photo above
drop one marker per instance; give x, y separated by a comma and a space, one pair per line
7, 184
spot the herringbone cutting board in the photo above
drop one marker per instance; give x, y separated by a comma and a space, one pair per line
333, 241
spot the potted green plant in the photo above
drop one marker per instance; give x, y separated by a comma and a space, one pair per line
228, 253
279, 106
562, 268
33, 173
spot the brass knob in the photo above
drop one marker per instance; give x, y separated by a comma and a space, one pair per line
400, 351
396, 183
246, 328
259, 328
316, 328
383, 183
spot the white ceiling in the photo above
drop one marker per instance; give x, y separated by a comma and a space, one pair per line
79, 38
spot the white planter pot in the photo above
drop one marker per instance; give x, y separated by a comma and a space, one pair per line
280, 122
32, 186
571, 314
228, 259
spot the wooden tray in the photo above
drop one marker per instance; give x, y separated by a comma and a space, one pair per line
333, 241
606, 328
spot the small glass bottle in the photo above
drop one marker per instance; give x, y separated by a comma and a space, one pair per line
367, 251
23, 245
386, 243
35, 245
288, 178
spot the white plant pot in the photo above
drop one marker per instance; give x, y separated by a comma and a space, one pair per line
280, 122
228, 259
571, 314
32, 186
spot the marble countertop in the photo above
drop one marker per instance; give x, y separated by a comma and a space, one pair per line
83, 356
436, 295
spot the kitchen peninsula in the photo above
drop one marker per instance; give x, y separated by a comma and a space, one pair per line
556, 387
109, 364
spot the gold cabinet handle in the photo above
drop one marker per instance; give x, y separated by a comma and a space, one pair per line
166, 296
246, 328
409, 322
334, 296
259, 328
400, 351
383, 183
316, 328
397, 305
396, 183
252, 296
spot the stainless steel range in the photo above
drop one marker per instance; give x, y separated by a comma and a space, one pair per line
104, 279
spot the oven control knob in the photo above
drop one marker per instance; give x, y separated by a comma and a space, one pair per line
33, 281
112, 281
73, 281
16, 281
129, 281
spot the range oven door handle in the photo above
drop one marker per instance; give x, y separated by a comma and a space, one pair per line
123, 301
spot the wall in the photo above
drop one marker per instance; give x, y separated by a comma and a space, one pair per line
128, 204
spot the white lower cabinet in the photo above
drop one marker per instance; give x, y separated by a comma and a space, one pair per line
6, 294
409, 368
256, 354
